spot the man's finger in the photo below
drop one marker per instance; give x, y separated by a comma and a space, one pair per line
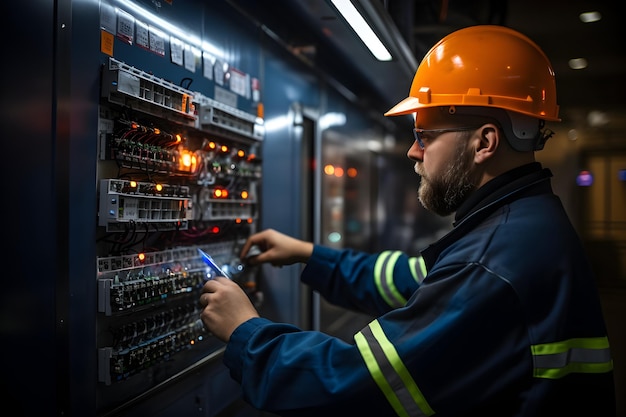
204, 299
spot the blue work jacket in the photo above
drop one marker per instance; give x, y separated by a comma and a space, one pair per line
500, 317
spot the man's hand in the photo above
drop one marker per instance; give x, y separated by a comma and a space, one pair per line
277, 249
225, 307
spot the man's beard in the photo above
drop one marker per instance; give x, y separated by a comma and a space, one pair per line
444, 194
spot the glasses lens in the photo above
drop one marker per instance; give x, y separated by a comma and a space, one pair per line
419, 133
418, 138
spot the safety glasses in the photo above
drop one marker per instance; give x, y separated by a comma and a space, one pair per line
421, 140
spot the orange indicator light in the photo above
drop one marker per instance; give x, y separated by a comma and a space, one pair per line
186, 160
220, 193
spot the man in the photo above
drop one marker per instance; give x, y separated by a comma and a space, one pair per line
500, 317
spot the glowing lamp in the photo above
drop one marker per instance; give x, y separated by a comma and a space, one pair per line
584, 179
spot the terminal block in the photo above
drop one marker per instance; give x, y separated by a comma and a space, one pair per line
213, 113
145, 343
125, 85
148, 306
124, 203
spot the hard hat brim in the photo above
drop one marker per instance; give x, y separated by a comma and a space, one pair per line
407, 106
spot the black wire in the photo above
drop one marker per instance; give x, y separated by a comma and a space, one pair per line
190, 80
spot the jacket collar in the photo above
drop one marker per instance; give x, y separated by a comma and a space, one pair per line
530, 179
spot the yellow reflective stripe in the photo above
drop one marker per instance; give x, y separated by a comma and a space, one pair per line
398, 366
418, 269
383, 278
423, 268
377, 374
390, 373
378, 268
579, 355
581, 368
558, 347
393, 291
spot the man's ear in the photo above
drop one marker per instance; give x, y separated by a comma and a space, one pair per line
487, 143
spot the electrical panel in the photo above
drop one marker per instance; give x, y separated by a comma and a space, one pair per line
177, 172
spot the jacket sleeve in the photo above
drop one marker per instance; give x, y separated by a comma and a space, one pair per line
406, 362
369, 283
291, 372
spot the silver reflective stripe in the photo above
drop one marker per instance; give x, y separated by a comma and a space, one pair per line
581, 355
418, 269
383, 277
390, 373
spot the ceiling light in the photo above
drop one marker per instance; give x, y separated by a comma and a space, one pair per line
589, 17
362, 29
597, 118
577, 63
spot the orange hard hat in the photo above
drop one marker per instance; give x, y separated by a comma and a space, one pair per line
484, 66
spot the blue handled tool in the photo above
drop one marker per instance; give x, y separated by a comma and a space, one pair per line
210, 262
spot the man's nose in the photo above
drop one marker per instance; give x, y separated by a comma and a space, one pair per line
415, 153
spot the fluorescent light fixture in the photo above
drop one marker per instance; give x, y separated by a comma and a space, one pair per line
577, 63
277, 123
590, 17
332, 119
362, 29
